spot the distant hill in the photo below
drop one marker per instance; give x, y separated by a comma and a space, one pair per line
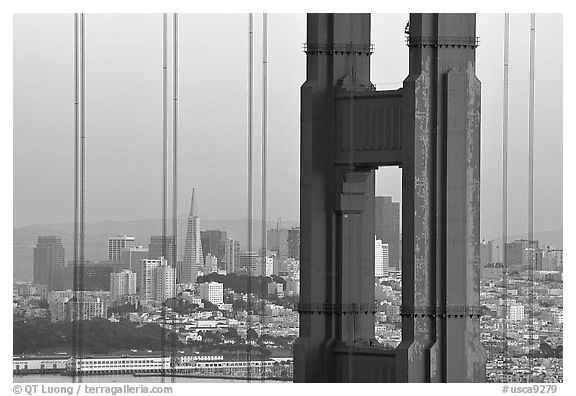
97, 234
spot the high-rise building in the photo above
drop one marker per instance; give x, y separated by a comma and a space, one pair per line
294, 243
552, 259
386, 258
387, 226
229, 255
400, 254
265, 267
131, 257
165, 283
193, 257
97, 275
160, 247
63, 278
210, 264
48, 258
277, 241
212, 292
116, 244
122, 284
211, 241
378, 258
157, 280
486, 253
381, 259
519, 254
248, 262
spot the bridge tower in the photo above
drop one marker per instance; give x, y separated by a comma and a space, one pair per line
431, 129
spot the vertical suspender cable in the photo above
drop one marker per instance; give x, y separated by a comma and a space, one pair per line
175, 174
174, 156
79, 186
250, 126
80, 307
164, 166
75, 339
175, 142
164, 129
264, 135
82, 146
264, 145
531, 245
505, 115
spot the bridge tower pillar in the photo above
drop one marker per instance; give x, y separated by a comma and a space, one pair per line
441, 223
431, 128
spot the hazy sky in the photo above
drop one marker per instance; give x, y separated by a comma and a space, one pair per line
124, 130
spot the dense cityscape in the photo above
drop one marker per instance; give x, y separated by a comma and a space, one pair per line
223, 312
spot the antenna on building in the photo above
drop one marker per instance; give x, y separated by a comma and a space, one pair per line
193, 208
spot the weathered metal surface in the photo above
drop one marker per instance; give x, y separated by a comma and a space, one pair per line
431, 129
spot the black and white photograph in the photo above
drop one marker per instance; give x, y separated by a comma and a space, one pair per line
254, 196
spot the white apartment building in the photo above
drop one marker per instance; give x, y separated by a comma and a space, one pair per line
122, 284
552, 259
210, 264
213, 292
157, 280
165, 283
381, 258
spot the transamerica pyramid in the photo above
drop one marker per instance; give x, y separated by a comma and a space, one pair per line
193, 257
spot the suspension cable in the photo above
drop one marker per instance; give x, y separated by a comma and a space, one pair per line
263, 265
531, 245
505, 117
250, 137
